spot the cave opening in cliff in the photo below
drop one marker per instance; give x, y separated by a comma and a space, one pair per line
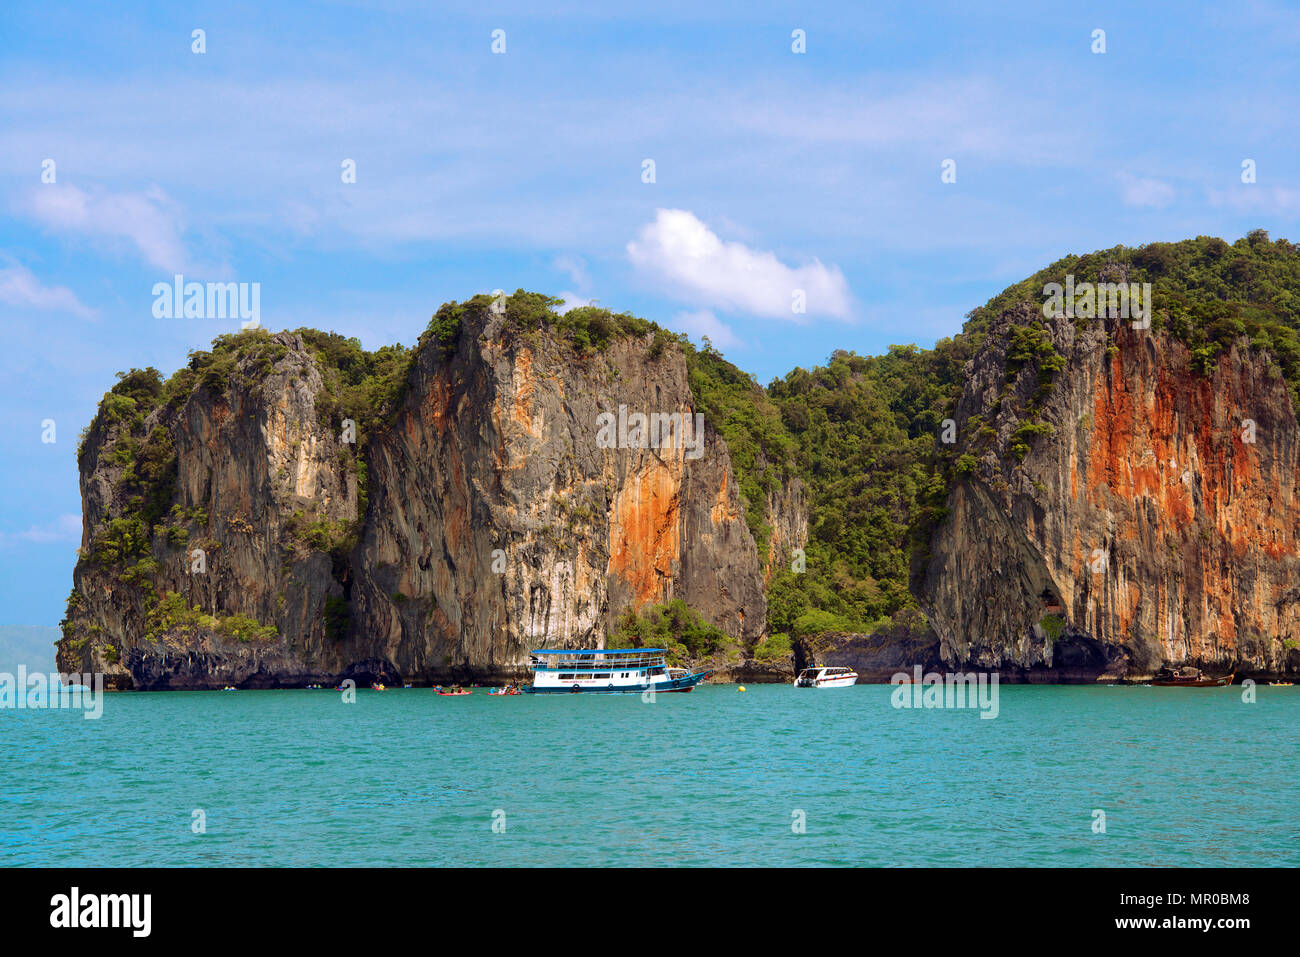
1051, 602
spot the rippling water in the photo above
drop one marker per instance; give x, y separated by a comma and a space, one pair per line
403, 777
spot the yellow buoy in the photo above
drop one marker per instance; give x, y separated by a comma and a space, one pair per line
742, 687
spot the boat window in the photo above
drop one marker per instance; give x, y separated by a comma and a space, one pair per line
567, 677
603, 674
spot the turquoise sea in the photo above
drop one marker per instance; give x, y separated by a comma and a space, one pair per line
717, 777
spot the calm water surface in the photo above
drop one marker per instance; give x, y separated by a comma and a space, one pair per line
403, 777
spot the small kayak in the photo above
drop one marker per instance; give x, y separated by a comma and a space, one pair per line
454, 694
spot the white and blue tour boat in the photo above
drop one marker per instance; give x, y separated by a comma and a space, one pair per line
607, 671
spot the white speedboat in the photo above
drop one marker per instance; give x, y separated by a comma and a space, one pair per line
826, 678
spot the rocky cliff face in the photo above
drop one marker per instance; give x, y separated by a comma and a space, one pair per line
486, 518
786, 513
499, 523
251, 465
1159, 521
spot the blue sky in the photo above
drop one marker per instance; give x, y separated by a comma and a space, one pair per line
475, 171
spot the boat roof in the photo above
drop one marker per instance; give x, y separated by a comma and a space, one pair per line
596, 651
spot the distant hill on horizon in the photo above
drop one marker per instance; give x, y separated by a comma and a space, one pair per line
30, 645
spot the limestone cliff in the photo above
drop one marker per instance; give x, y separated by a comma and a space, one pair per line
292, 509
1155, 516
498, 523
481, 518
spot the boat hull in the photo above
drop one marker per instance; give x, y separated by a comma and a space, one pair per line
1192, 683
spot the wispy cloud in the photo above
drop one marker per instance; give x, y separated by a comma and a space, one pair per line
584, 147
1253, 198
19, 287
65, 528
149, 220
575, 267
698, 266
701, 323
1148, 193
572, 301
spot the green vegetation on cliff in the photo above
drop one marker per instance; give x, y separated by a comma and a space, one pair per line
865, 429
761, 449
585, 328
1206, 293
674, 626
172, 613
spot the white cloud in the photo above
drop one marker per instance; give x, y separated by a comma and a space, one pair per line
702, 322
65, 528
684, 253
571, 301
576, 268
1150, 193
149, 220
1252, 198
18, 287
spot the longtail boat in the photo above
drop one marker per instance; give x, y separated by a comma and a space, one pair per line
1168, 679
